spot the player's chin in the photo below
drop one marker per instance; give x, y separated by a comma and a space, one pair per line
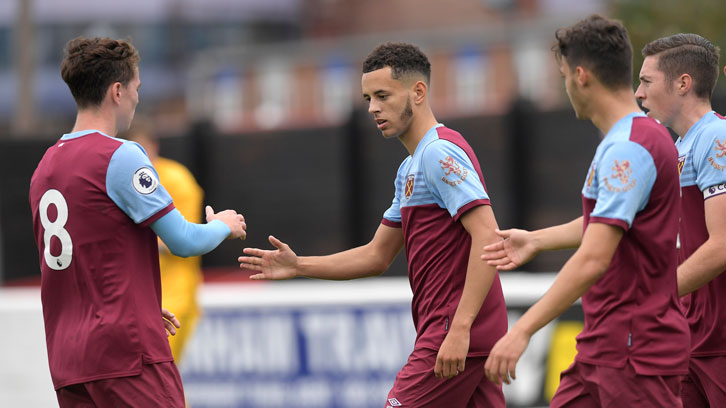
389, 133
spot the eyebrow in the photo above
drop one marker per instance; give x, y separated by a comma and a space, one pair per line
376, 92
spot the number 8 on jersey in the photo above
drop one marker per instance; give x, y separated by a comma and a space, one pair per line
56, 229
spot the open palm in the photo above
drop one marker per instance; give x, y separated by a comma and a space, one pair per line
277, 264
513, 251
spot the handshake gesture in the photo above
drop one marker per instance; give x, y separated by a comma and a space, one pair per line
235, 222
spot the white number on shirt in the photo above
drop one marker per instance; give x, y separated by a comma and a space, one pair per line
56, 229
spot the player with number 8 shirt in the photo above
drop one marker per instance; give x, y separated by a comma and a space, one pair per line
97, 208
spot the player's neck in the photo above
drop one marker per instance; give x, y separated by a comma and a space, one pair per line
610, 107
690, 113
417, 130
95, 119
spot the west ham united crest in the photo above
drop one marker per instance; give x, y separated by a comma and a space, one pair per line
409, 186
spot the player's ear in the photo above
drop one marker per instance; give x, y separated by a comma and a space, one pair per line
684, 83
582, 76
419, 90
115, 91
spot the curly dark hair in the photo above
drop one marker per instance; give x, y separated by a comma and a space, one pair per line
403, 58
687, 54
91, 65
601, 45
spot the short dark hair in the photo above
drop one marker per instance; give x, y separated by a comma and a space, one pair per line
601, 45
687, 54
91, 65
403, 58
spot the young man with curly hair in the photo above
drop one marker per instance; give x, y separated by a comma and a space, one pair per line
633, 349
442, 216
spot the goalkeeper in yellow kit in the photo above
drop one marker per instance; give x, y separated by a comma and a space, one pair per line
180, 277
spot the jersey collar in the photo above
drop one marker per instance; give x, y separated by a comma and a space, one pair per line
81, 133
623, 125
430, 135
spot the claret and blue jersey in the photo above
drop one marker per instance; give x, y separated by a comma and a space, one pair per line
440, 174
620, 178
632, 313
435, 186
93, 198
702, 165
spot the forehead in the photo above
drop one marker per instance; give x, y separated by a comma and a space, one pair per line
650, 66
378, 80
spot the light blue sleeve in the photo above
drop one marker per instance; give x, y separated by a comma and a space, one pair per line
709, 159
393, 213
451, 176
133, 184
186, 238
626, 176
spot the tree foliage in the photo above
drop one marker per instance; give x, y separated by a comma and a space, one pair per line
647, 20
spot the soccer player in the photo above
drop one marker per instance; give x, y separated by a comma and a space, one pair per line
633, 348
441, 214
677, 80
180, 276
97, 208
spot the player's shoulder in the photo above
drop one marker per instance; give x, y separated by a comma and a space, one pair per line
625, 149
451, 135
652, 136
448, 137
714, 127
716, 118
439, 150
129, 150
129, 158
445, 141
646, 130
708, 138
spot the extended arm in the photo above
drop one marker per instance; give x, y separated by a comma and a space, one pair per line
184, 238
368, 260
709, 260
580, 272
519, 246
480, 223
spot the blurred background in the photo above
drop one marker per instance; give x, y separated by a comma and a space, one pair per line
261, 100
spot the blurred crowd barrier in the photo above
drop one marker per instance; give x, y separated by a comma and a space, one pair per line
299, 343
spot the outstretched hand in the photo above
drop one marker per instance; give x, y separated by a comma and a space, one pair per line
513, 251
235, 222
275, 265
